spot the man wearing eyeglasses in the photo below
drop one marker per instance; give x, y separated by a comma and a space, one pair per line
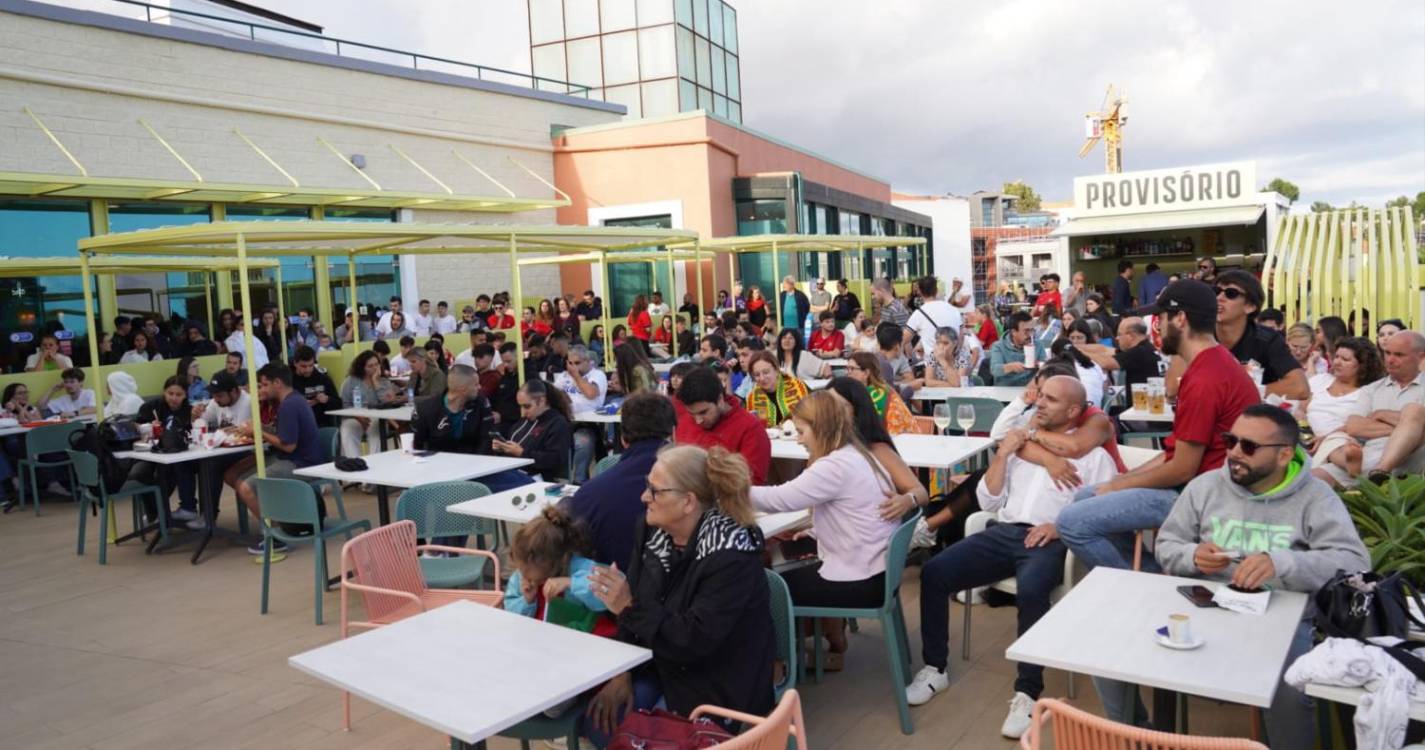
1206, 271
1239, 297
1261, 519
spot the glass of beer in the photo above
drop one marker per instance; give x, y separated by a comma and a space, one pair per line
1157, 396
1140, 396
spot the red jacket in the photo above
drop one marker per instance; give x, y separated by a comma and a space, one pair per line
739, 431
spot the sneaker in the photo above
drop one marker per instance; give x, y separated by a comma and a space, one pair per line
198, 524
928, 681
55, 488
975, 596
184, 515
923, 537
1016, 723
277, 546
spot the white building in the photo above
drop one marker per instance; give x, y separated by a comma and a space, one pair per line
951, 232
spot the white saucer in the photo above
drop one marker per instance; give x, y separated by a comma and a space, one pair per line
1166, 643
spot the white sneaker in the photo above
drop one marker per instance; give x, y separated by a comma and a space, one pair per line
183, 515
1016, 723
55, 488
196, 524
928, 681
976, 596
923, 537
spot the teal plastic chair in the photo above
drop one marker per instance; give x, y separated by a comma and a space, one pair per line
986, 412
890, 615
91, 494
53, 438
605, 463
784, 626
292, 501
330, 440
425, 505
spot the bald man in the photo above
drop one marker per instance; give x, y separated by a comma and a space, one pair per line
1390, 414
1023, 544
1135, 355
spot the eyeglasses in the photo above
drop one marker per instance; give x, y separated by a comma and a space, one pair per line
654, 491
1230, 292
1249, 447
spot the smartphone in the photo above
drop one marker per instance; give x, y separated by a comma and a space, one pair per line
554, 490
1200, 596
423, 454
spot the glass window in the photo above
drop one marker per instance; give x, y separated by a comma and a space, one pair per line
546, 21
734, 112
700, 16
173, 293
298, 276
581, 18
687, 68
38, 229
377, 276
715, 21
627, 96
729, 28
660, 98
620, 58
704, 77
705, 102
684, 11
687, 96
628, 280
761, 216
719, 105
656, 58
585, 66
616, 15
549, 63
653, 12
719, 70
734, 79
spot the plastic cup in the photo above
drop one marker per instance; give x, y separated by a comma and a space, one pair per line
408, 442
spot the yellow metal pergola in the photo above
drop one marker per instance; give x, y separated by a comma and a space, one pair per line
237, 242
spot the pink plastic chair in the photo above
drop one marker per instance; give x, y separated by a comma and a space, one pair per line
383, 566
1075, 729
770, 733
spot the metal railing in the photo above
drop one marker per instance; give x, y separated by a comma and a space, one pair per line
259, 32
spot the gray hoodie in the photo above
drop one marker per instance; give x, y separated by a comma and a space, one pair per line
1303, 526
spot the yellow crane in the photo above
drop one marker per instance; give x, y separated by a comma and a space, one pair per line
1107, 123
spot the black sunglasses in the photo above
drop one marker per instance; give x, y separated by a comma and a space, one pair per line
1231, 292
1249, 447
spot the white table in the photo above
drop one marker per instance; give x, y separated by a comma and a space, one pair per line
1105, 626
918, 451
593, 417
1138, 415
816, 384
1351, 696
836, 362
19, 430
396, 468
395, 414
467, 670
207, 503
1001, 393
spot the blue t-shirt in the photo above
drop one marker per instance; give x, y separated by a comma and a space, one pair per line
297, 424
789, 312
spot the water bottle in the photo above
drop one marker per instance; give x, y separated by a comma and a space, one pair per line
410, 395
356, 397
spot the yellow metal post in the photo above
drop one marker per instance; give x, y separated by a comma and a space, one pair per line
352, 306
702, 298
672, 293
110, 523
604, 310
108, 291
322, 279
518, 295
777, 281
250, 346
208, 301
281, 311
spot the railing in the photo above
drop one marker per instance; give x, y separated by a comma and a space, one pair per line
259, 32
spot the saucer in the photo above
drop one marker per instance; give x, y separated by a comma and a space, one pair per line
1161, 635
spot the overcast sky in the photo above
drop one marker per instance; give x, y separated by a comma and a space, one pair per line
952, 97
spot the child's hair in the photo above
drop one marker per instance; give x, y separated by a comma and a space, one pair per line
549, 542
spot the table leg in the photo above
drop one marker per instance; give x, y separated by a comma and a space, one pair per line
381, 430
1165, 710
383, 504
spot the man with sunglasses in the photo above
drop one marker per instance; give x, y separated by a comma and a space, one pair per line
1239, 297
1206, 271
500, 319
1260, 519
1098, 528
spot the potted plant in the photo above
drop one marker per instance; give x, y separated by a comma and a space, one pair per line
1388, 517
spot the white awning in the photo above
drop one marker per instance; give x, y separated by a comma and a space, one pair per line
1161, 221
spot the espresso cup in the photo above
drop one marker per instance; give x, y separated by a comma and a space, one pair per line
1180, 629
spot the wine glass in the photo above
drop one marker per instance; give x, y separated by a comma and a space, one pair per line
942, 418
965, 417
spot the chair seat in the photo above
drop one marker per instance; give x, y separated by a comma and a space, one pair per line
839, 611
452, 572
438, 598
328, 529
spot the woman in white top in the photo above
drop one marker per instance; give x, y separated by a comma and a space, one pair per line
1333, 400
1093, 377
48, 356
124, 398
141, 349
845, 485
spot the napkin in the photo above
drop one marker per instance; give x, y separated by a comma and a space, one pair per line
1253, 603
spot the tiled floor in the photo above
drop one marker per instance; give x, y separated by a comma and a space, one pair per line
153, 652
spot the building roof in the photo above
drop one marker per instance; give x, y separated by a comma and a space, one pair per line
270, 15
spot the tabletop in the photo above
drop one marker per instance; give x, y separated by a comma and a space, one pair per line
495, 670
918, 451
816, 384
1105, 626
18, 430
1138, 415
397, 414
192, 454
396, 468
1351, 696
593, 417
1001, 393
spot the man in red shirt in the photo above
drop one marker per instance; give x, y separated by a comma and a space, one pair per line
709, 418
1098, 528
499, 319
1049, 294
826, 341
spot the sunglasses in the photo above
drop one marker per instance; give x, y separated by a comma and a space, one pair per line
1230, 292
1249, 447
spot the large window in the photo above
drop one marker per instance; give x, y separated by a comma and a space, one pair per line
628, 280
708, 68
169, 294
763, 216
38, 229
378, 277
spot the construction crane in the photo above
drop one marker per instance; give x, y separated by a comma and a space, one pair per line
1107, 123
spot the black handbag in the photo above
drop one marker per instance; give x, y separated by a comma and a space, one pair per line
1366, 605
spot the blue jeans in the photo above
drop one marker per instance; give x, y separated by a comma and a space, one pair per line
981, 559
1290, 720
647, 694
1099, 529
585, 440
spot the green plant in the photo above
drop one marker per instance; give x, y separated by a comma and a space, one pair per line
1388, 518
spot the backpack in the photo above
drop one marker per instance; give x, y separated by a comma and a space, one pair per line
103, 440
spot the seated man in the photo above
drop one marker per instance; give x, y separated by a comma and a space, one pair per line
1007, 355
1099, 527
610, 503
293, 441
1390, 415
709, 418
69, 398
458, 420
586, 387
1283, 527
1022, 543
314, 384
827, 342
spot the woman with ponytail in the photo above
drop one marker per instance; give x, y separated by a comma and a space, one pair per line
695, 594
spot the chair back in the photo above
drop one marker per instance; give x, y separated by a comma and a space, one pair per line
384, 557
287, 501
986, 412
425, 506
86, 470
784, 626
896, 554
51, 438
1075, 729
923, 425
606, 463
782, 729
330, 440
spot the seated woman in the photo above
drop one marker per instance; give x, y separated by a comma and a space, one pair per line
141, 349
1336, 456
662, 345
865, 368
364, 378
774, 394
695, 593
169, 412
192, 377
124, 398
1090, 373
942, 368
871, 429
543, 434
845, 485
633, 373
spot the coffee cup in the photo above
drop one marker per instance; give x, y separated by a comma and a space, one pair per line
408, 442
1180, 629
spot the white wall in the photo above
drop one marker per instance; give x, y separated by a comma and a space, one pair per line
950, 220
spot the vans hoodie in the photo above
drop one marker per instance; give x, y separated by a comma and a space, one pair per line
1301, 524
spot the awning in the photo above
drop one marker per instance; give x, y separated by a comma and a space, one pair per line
1161, 221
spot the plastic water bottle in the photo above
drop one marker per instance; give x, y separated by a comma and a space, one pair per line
410, 395
356, 397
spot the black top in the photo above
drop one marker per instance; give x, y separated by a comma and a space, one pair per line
692, 312
467, 431
156, 410
313, 385
200, 348
593, 311
687, 342
844, 306
1269, 350
1139, 363
1122, 295
547, 441
611, 505
503, 401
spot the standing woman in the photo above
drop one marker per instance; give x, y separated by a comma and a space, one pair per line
756, 307
269, 334
633, 371
865, 368
988, 334
845, 485
640, 323
774, 393
723, 303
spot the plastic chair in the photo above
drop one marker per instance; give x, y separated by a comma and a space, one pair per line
605, 464
86, 472
51, 438
1075, 729
330, 440
986, 412
382, 565
425, 506
784, 624
782, 729
294, 501
976, 523
891, 617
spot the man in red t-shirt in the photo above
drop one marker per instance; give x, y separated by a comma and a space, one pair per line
1049, 295
1098, 528
827, 342
709, 418
499, 319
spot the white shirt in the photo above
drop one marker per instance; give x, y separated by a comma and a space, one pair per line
931, 316
1014, 415
578, 400
420, 324
659, 309
133, 356
399, 365
1093, 379
383, 323
1327, 413
240, 412
1029, 495
67, 404
235, 343
466, 358
62, 361
444, 325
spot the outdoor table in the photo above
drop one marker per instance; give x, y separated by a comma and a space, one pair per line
395, 414
593, 417
500, 506
918, 451
207, 503
1105, 626
21, 429
1138, 415
816, 384
396, 468
467, 670
1001, 393
836, 362
1351, 696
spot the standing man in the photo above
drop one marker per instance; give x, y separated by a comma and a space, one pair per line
891, 308
795, 307
657, 306
820, 298
1076, 295
1206, 270
589, 307
1123, 288
1048, 294
845, 304
1154, 282
932, 315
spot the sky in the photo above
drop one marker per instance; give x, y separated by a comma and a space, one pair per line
939, 97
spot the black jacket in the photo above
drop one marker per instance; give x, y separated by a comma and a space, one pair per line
707, 619
317, 383
503, 402
156, 410
433, 430
547, 441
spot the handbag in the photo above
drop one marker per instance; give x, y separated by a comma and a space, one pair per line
664, 730
1366, 605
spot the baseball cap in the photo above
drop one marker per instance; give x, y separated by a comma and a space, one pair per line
1187, 295
223, 381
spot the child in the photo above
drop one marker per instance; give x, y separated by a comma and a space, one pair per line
549, 558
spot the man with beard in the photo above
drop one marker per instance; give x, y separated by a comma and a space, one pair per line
1099, 526
1261, 520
